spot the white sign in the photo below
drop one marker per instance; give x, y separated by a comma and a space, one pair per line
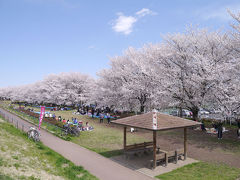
155, 119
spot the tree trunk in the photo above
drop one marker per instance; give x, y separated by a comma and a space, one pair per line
180, 112
142, 107
195, 113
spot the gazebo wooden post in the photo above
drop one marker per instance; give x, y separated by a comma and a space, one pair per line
185, 143
154, 149
124, 137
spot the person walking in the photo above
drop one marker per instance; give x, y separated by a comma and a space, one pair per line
108, 118
203, 126
98, 112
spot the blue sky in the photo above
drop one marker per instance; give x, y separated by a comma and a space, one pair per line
40, 37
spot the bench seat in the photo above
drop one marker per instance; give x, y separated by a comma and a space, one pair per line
166, 156
138, 149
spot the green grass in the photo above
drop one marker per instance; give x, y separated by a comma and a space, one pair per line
50, 127
4, 177
21, 158
202, 171
104, 139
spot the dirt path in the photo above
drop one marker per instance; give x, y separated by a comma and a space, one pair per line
208, 154
101, 167
202, 146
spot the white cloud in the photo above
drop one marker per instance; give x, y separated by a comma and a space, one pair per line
124, 24
144, 11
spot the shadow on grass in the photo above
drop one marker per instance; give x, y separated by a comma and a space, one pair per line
112, 153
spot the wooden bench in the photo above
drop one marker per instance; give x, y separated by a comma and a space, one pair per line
161, 157
165, 156
138, 149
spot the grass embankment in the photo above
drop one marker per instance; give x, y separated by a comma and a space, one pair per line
202, 171
50, 127
21, 158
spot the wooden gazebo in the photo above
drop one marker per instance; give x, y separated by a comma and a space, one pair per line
162, 122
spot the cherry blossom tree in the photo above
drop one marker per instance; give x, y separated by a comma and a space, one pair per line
194, 61
130, 80
64, 88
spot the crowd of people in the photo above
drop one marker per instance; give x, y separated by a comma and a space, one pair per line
101, 113
77, 123
217, 128
73, 121
104, 113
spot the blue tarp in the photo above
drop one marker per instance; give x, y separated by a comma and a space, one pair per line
40, 112
105, 117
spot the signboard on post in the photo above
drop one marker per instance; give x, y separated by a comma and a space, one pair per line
154, 119
41, 116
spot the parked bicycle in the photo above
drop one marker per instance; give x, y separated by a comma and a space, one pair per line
34, 134
70, 130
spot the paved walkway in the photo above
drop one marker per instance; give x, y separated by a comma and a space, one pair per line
101, 167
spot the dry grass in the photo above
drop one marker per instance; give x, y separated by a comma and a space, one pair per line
21, 158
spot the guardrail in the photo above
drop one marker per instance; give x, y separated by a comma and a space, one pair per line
57, 131
14, 121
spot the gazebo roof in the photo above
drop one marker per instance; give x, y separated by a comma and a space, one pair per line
164, 122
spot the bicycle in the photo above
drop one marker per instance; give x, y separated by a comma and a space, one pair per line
70, 130
34, 134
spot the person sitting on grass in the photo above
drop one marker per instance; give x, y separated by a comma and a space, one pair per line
80, 125
87, 127
75, 121
64, 121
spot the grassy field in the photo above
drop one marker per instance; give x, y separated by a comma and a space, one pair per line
202, 171
108, 141
104, 139
21, 158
